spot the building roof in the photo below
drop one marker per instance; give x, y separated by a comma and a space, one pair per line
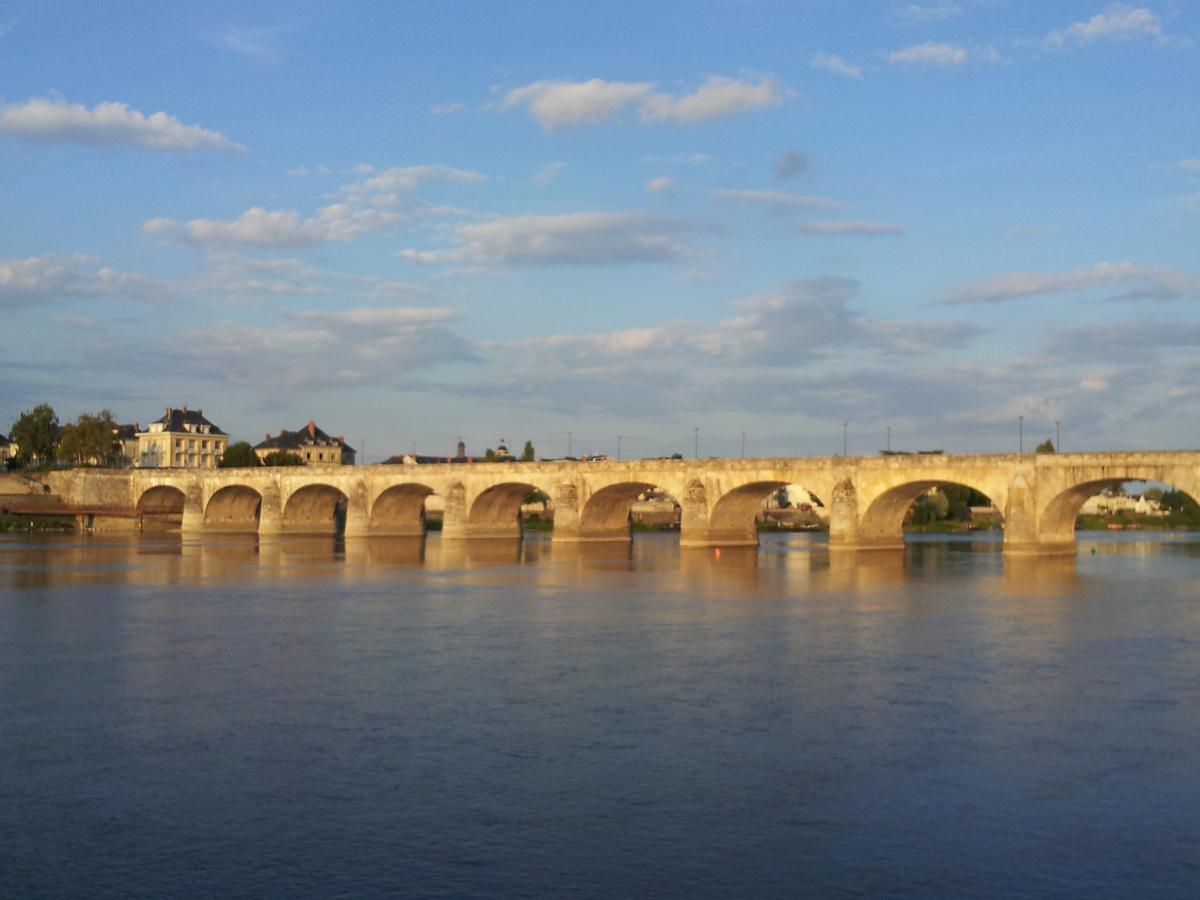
175, 419
125, 432
4, 442
309, 435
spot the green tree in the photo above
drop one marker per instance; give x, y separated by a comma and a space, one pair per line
240, 455
490, 455
1179, 502
1046, 446
282, 458
527, 455
35, 433
90, 440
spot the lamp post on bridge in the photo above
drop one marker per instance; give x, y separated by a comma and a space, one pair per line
618, 447
889, 439
696, 441
1020, 435
845, 437
1058, 435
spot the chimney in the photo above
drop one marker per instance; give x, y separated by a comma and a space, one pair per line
266, 437
185, 407
312, 428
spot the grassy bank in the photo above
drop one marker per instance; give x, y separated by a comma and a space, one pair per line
10, 523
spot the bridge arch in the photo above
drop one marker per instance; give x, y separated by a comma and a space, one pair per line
734, 515
234, 507
400, 511
160, 506
315, 509
1058, 518
882, 523
496, 511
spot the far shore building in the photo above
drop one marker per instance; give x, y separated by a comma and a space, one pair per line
126, 437
182, 439
8, 450
311, 444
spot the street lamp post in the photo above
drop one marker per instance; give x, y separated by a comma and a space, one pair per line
618, 447
570, 447
696, 441
845, 437
1021, 435
1058, 435
889, 439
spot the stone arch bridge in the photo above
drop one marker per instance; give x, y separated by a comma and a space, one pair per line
867, 497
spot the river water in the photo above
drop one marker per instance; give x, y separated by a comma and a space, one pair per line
309, 718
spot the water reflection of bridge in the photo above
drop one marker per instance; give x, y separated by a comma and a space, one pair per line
867, 497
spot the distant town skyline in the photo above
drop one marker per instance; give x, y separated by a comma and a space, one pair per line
919, 223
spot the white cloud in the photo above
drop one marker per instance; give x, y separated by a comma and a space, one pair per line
1117, 23
776, 201
259, 43
559, 104
717, 98
834, 64
858, 228
1143, 282
106, 123
556, 104
924, 13
360, 345
277, 228
45, 278
549, 172
660, 185
589, 238
929, 54
386, 186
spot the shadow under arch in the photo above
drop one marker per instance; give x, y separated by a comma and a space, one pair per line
496, 512
399, 511
160, 507
882, 525
609, 513
235, 507
1058, 519
734, 517
315, 509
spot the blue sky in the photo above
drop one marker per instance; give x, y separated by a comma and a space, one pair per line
414, 222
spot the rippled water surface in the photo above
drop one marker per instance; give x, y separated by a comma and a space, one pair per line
313, 719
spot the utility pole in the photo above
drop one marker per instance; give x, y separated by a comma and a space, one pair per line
1021, 435
696, 441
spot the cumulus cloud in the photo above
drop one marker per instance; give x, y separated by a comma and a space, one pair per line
930, 54
388, 186
56, 120
36, 279
835, 65
775, 201
358, 345
560, 104
1141, 282
276, 228
1117, 23
859, 228
588, 238
661, 185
